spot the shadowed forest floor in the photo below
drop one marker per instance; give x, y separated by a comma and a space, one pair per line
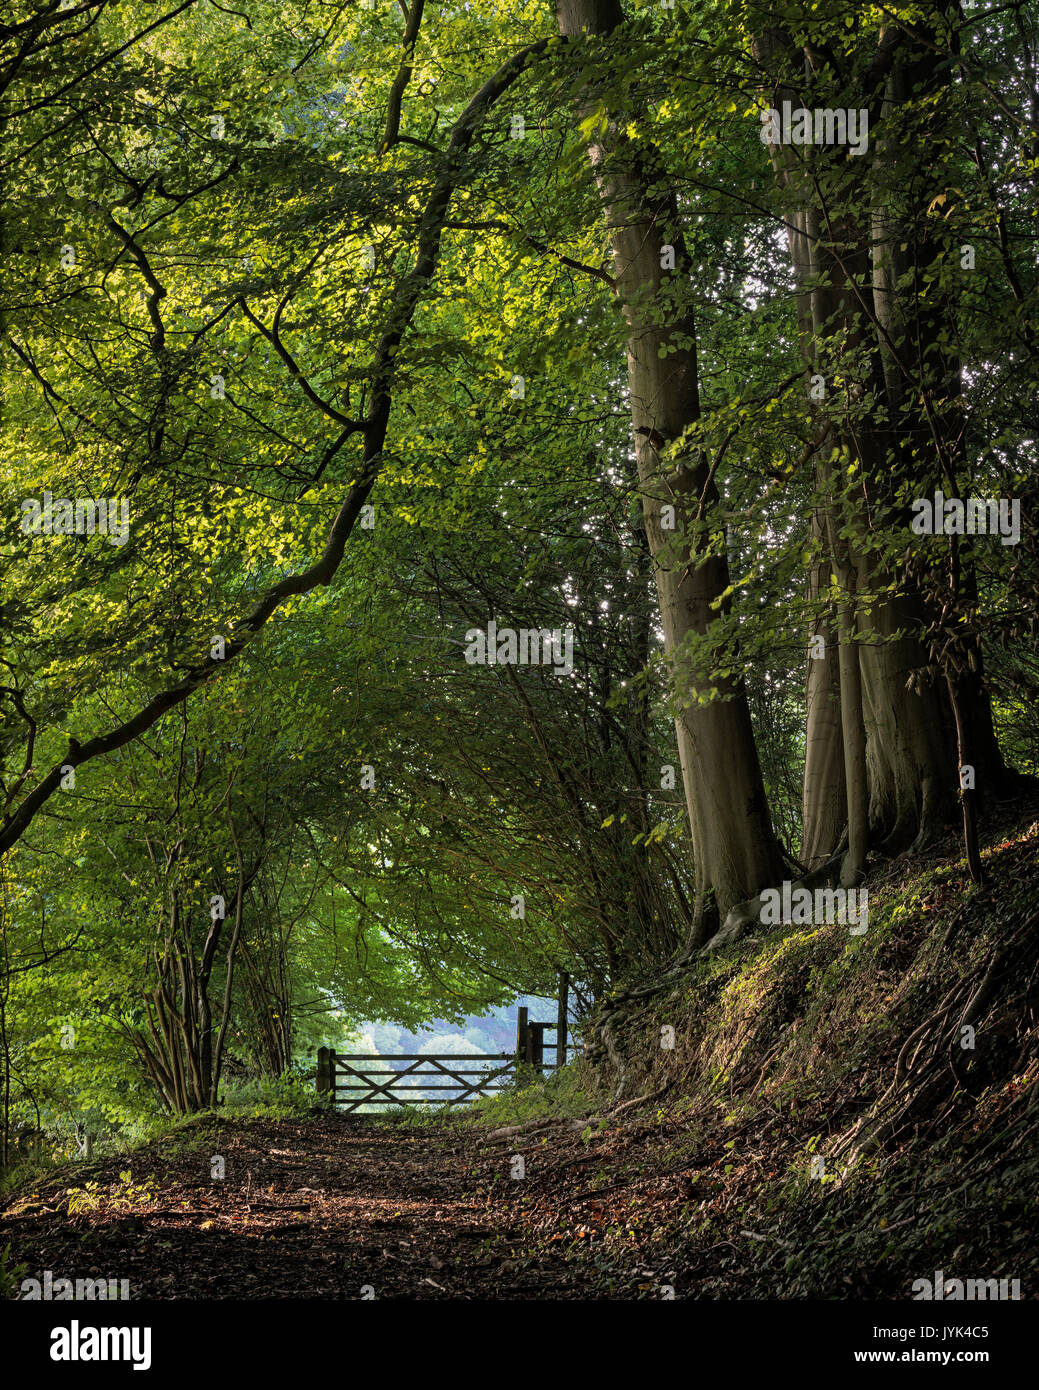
701, 1184
344, 1208
320, 1209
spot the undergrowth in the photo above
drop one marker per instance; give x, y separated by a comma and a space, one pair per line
848, 1114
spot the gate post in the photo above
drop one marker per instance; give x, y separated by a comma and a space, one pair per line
522, 1036
561, 1018
324, 1070
537, 1045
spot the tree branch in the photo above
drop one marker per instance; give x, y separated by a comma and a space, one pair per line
407, 294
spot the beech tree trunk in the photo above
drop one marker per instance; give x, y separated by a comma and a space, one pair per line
735, 850
824, 813
850, 327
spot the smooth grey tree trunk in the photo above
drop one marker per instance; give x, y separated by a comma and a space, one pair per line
734, 846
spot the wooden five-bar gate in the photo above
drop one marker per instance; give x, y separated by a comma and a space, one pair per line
440, 1078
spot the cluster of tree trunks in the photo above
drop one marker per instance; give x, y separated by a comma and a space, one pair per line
887, 728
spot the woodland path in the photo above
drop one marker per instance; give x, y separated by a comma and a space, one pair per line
327, 1207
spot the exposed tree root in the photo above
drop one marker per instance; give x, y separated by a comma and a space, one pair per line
939, 1060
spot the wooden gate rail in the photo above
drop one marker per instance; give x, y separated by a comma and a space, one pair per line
333, 1065
454, 1066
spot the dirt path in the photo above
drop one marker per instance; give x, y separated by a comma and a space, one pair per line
328, 1208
